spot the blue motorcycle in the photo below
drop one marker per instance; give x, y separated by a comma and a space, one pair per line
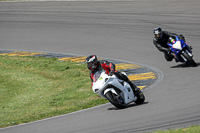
181, 51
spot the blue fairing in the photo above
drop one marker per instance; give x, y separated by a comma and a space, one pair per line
175, 51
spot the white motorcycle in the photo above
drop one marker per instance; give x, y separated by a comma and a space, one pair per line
116, 91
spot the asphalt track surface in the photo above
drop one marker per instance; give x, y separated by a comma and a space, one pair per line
119, 30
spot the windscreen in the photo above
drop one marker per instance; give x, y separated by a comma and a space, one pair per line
97, 75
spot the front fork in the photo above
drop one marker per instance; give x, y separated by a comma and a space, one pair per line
188, 52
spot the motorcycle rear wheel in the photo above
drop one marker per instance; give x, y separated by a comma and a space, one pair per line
115, 100
190, 59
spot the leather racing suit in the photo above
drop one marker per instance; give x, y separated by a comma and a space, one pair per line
110, 69
161, 44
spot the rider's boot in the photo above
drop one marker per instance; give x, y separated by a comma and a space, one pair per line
176, 60
137, 91
134, 88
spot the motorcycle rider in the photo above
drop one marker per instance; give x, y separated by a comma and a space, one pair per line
160, 40
94, 65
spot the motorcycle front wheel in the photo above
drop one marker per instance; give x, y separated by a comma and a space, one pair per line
115, 100
190, 59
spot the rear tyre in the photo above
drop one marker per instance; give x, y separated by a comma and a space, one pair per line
115, 100
190, 59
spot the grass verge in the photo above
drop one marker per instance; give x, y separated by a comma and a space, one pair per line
34, 88
191, 129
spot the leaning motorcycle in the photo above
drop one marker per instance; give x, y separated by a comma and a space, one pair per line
181, 51
116, 91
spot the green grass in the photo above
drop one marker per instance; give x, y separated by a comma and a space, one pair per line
192, 129
34, 88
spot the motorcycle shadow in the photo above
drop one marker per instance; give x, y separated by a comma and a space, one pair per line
129, 106
185, 65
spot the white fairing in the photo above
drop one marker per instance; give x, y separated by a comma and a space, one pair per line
177, 45
103, 84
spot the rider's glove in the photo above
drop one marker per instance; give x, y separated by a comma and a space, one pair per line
111, 72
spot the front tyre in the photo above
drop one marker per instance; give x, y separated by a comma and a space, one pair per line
190, 59
115, 100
